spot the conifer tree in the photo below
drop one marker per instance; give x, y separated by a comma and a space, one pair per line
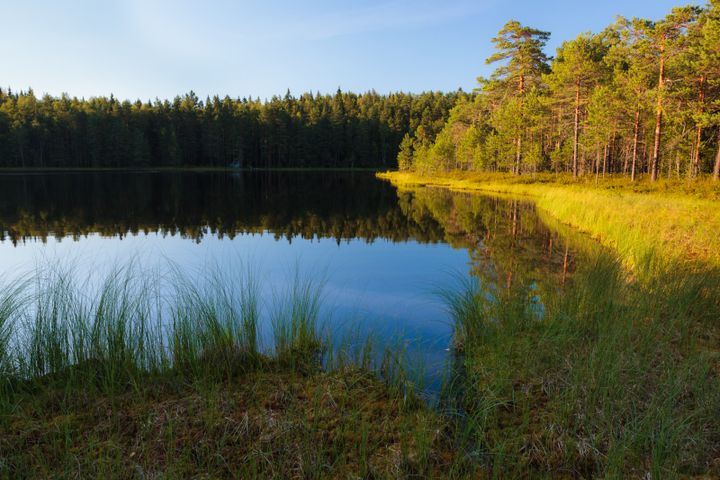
521, 50
577, 67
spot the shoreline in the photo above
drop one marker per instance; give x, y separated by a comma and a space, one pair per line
637, 224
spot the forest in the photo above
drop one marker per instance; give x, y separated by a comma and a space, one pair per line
343, 130
640, 98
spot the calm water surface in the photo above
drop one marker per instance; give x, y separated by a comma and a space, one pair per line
383, 255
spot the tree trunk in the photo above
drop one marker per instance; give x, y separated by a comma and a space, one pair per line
550, 248
636, 135
518, 152
716, 170
576, 134
597, 163
695, 170
605, 160
611, 149
677, 160
658, 115
698, 131
625, 158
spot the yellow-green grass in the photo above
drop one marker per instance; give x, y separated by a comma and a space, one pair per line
669, 220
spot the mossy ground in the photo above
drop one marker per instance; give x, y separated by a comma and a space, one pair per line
270, 423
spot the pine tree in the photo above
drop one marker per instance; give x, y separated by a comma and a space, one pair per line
577, 68
521, 48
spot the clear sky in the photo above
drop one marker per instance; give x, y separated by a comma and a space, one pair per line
159, 48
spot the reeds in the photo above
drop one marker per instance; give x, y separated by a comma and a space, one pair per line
114, 333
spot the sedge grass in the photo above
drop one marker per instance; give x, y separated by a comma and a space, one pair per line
614, 380
143, 375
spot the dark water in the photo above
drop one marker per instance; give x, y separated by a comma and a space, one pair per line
383, 255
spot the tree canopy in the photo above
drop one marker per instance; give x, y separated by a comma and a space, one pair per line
639, 98
312, 130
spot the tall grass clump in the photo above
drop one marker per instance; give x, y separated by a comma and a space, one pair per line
214, 328
297, 329
615, 379
86, 334
11, 300
111, 334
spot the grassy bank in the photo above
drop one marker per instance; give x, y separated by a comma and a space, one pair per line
668, 220
142, 375
615, 376
612, 380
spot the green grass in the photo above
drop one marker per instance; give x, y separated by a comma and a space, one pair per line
159, 375
617, 377
668, 221
614, 380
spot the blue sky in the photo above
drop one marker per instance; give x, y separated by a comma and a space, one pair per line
160, 48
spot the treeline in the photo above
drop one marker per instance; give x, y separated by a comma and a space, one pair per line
313, 130
641, 97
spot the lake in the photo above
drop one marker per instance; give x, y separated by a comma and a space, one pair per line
383, 256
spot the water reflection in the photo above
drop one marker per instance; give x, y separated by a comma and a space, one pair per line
510, 245
194, 205
385, 253
507, 240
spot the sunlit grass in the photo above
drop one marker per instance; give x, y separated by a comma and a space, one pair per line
619, 375
664, 221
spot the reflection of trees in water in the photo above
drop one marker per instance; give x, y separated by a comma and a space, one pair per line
509, 244
342, 206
